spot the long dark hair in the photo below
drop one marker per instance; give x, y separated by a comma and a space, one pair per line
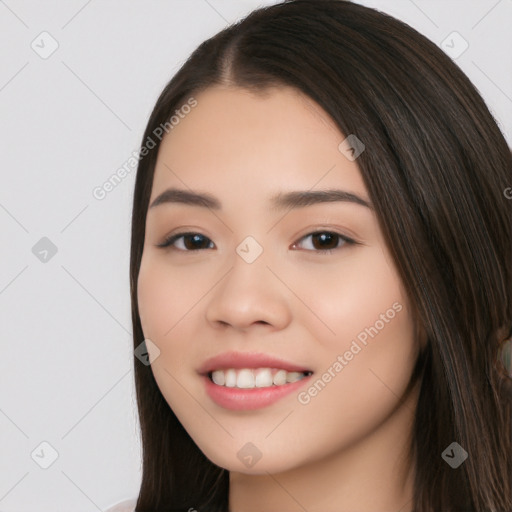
435, 166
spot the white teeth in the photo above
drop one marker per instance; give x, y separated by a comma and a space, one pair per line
248, 378
263, 378
218, 378
280, 378
293, 376
245, 379
230, 378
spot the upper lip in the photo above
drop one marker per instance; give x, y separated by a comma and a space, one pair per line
247, 360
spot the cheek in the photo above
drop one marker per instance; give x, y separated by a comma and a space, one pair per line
350, 295
367, 323
164, 297
164, 301
150, 299
369, 376
169, 301
361, 378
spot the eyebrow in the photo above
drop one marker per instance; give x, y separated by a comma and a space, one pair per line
281, 201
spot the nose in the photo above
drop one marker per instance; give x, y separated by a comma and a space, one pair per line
249, 294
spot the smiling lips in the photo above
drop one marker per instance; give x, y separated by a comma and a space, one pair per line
244, 381
247, 378
241, 360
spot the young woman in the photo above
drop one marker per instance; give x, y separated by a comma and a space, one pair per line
321, 274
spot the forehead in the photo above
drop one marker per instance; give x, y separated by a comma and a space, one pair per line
278, 137
241, 113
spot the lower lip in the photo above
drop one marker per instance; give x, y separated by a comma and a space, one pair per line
238, 399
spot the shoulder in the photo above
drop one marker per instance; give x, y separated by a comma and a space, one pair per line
124, 506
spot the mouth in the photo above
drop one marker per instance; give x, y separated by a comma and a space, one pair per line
248, 380
251, 378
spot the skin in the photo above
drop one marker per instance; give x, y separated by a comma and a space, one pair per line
347, 449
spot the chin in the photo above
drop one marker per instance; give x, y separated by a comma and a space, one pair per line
238, 460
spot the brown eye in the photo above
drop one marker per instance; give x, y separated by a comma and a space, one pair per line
320, 241
325, 241
190, 242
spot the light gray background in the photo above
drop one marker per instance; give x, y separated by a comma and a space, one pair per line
67, 123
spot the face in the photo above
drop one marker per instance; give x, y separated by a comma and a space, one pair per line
310, 284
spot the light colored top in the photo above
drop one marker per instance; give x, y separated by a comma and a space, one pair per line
124, 506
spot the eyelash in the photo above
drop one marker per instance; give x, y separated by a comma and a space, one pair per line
167, 243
